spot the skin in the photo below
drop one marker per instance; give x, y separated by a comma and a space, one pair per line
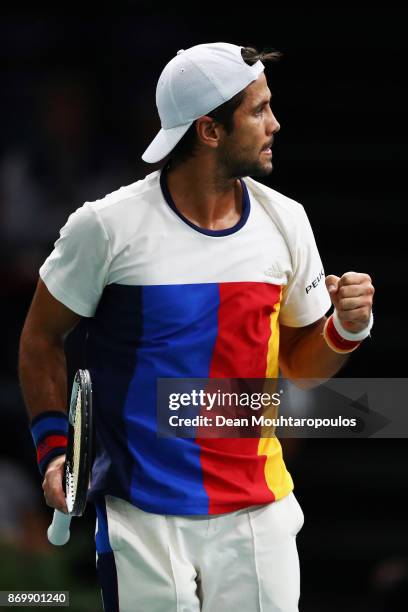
42, 358
207, 191
206, 188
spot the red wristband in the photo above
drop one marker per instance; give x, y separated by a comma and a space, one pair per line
335, 341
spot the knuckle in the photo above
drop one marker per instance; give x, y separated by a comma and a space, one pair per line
341, 304
349, 277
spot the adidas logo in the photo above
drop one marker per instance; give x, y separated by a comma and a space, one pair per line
273, 271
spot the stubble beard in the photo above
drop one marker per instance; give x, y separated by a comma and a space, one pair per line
238, 166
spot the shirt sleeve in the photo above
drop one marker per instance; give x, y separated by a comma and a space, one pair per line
305, 298
76, 271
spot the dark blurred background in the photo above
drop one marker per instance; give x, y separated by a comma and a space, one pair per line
77, 111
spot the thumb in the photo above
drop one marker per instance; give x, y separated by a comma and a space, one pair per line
332, 282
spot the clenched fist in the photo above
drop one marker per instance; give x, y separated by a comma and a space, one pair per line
352, 297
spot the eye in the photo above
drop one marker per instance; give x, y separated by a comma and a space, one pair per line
260, 111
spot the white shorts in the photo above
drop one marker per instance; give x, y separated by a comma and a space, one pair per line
244, 560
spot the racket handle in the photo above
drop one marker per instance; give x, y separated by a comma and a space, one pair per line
58, 532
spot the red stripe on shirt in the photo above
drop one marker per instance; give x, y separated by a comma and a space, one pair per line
233, 472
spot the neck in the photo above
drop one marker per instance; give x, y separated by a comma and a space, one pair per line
204, 196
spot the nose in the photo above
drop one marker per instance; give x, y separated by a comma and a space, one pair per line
273, 124
276, 125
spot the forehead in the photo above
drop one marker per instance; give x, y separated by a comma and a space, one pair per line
256, 92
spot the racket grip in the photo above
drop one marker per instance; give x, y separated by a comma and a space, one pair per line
58, 532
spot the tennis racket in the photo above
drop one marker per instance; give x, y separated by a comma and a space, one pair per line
78, 461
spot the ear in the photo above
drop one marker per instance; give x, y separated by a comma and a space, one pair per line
208, 131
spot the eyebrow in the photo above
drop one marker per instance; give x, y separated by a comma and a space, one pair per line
262, 104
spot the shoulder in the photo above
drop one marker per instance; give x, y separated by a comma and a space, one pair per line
274, 200
121, 210
287, 214
138, 193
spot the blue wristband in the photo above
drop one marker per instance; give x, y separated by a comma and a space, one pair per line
49, 431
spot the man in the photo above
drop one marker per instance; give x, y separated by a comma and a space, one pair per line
192, 272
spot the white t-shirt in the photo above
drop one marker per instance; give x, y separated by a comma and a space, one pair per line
168, 299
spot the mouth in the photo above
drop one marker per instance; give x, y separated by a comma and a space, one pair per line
267, 149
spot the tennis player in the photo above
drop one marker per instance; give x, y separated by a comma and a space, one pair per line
195, 271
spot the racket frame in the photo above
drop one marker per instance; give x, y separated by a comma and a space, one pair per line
83, 385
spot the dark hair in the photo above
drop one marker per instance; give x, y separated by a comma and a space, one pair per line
223, 114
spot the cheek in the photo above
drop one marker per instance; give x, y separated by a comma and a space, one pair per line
251, 139
246, 139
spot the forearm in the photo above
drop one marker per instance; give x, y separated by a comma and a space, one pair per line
43, 373
310, 357
43, 378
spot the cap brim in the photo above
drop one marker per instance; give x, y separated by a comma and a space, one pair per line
164, 142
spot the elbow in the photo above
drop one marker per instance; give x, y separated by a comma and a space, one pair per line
301, 380
34, 343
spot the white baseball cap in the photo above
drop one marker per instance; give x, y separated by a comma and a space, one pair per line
193, 83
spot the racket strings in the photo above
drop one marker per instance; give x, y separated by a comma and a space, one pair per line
72, 474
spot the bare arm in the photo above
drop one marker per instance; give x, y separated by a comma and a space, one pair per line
43, 372
304, 352
42, 365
